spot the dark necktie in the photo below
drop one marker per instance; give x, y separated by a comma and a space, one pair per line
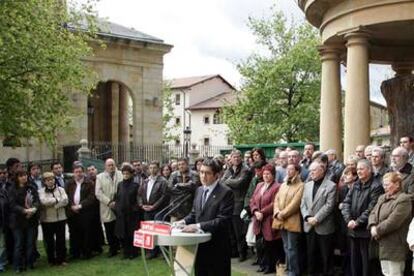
204, 198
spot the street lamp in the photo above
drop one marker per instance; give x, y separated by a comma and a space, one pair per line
187, 139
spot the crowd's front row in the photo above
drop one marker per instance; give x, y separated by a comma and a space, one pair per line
365, 216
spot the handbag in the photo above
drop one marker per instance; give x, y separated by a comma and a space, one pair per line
250, 236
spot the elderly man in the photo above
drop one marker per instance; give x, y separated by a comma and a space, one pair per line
359, 151
335, 167
399, 163
237, 178
356, 207
317, 206
105, 191
379, 168
281, 169
308, 151
408, 143
294, 159
368, 152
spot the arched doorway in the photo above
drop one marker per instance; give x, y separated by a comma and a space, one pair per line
109, 120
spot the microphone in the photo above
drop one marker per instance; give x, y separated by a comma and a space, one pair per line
160, 215
184, 199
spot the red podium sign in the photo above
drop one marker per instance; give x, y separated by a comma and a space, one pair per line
156, 228
144, 240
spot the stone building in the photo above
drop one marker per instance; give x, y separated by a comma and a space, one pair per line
358, 33
126, 104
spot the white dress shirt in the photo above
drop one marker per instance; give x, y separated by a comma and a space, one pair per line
76, 197
150, 185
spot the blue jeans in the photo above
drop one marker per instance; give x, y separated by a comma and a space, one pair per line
23, 240
290, 245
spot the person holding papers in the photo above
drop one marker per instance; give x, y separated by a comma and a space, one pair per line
212, 212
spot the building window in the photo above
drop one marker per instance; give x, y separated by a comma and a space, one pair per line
177, 99
206, 141
229, 141
206, 119
177, 121
177, 142
217, 118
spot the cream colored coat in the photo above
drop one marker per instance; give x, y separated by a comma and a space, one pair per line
105, 190
53, 205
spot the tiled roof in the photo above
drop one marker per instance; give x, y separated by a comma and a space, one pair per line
181, 83
111, 29
218, 101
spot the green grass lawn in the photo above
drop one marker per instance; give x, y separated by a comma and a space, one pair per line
99, 265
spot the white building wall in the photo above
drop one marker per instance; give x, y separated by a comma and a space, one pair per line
217, 133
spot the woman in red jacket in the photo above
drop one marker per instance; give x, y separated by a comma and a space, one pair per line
261, 206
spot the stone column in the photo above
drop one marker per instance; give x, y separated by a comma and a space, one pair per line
123, 123
330, 131
357, 115
115, 120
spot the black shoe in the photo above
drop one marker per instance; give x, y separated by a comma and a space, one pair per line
262, 269
269, 271
112, 254
242, 258
256, 263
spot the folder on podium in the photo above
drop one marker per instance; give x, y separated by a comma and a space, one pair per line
154, 233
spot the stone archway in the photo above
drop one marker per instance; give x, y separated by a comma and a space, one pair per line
109, 118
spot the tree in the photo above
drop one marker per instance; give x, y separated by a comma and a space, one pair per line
41, 51
279, 99
168, 125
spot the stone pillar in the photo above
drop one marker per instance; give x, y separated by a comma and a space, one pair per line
83, 151
123, 123
357, 115
115, 120
330, 131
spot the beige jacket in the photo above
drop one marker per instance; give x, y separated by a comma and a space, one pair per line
105, 191
53, 204
287, 204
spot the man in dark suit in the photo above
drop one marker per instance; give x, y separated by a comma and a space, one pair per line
237, 177
212, 212
152, 196
80, 212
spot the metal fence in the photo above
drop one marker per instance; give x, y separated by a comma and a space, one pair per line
126, 152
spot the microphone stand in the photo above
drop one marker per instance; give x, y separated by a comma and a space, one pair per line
160, 215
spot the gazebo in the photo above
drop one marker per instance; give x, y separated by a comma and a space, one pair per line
358, 33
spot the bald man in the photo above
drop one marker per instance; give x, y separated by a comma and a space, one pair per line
105, 190
399, 163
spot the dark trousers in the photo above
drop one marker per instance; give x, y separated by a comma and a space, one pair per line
80, 237
54, 240
320, 250
359, 256
23, 253
240, 239
111, 238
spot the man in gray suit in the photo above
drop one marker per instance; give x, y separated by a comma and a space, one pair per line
317, 206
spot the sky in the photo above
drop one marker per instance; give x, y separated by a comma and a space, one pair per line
209, 37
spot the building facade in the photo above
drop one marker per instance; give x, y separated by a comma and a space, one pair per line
197, 104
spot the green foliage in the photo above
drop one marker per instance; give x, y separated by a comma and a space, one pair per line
168, 126
40, 65
280, 94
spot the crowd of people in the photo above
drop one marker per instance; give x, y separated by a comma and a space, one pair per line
302, 213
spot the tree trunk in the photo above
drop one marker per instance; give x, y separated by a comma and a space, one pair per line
399, 94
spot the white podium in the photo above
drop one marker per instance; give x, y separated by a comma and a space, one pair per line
182, 263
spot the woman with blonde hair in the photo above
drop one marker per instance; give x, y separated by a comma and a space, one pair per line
388, 223
286, 216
